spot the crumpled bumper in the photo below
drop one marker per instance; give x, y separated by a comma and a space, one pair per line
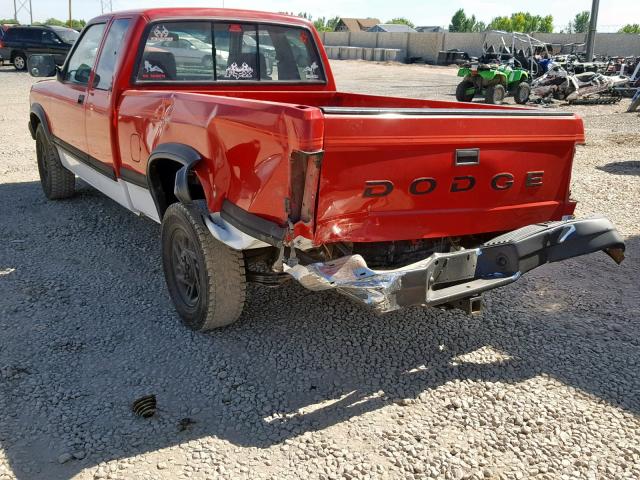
445, 278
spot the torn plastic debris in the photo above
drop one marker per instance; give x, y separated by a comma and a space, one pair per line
351, 276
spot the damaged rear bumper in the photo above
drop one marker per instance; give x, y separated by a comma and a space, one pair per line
445, 278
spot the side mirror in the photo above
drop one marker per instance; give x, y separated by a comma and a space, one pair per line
96, 80
82, 74
42, 66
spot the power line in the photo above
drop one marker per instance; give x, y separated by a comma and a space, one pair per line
20, 5
106, 6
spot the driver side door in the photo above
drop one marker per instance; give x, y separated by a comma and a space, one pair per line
66, 109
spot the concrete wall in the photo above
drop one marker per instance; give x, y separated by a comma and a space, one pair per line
391, 41
623, 44
364, 39
427, 45
467, 42
337, 38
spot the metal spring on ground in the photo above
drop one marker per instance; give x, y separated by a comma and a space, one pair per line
145, 407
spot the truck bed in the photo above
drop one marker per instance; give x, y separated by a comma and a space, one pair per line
389, 170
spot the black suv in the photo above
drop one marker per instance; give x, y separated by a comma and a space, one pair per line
20, 42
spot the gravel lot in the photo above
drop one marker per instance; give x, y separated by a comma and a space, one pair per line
545, 384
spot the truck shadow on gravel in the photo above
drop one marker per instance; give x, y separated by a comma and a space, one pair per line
88, 327
628, 167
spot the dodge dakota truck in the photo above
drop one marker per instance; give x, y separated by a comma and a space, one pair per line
226, 127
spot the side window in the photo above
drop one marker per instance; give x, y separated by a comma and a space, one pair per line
31, 35
178, 51
110, 54
50, 38
289, 54
81, 62
236, 52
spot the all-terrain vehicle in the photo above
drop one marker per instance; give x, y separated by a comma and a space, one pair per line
493, 82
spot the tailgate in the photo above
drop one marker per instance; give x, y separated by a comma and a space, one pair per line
402, 174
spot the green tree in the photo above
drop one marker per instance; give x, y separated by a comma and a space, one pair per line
461, 23
401, 21
324, 25
630, 28
501, 23
332, 23
320, 24
522, 22
458, 21
547, 24
75, 24
580, 23
55, 22
9, 21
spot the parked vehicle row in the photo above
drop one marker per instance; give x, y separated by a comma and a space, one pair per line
20, 42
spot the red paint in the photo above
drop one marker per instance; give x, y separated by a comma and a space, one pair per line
246, 134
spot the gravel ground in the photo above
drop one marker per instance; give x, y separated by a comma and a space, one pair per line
544, 384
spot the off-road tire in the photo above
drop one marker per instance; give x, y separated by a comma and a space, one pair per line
461, 91
57, 182
521, 93
494, 94
218, 270
20, 61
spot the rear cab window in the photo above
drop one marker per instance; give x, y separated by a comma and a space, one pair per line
229, 52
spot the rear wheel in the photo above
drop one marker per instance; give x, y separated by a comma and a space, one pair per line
465, 91
521, 93
20, 61
205, 278
57, 182
494, 94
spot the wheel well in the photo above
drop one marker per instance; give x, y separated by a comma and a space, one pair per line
15, 53
35, 121
162, 181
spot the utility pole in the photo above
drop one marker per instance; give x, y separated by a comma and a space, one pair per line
593, 22
19, 5
70, 17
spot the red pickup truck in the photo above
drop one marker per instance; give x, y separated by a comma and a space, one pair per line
226, 127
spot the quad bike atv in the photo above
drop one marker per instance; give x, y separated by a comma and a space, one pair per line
493, 82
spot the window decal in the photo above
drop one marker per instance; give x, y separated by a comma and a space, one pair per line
152, 71
158, 33
233, 71
311, 72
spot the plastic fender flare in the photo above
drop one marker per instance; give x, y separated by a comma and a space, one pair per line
38, 111
180, 153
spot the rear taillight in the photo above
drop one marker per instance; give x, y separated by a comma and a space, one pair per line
1, 44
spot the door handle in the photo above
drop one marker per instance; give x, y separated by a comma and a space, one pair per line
80, 99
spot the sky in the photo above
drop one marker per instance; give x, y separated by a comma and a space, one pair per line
613, 13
